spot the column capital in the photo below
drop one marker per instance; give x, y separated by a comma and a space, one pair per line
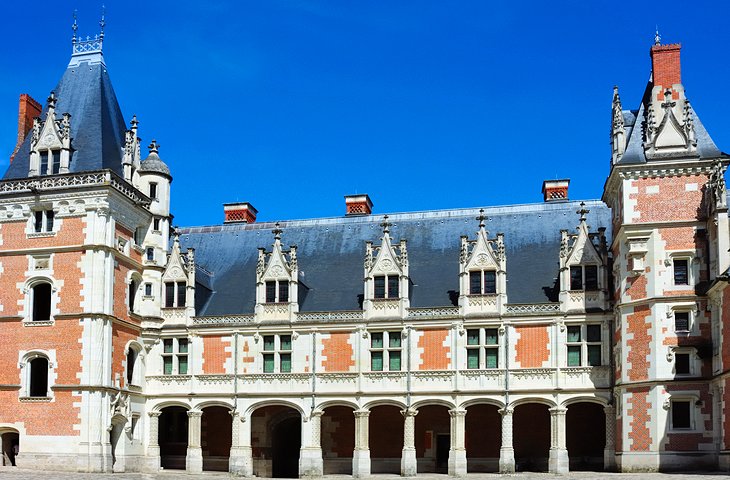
558, 410
195, 413
506, 411
361, 413
154, 414
457, 412
609, 409
316, 413
409, 412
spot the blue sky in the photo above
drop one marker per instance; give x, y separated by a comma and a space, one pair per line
422, 104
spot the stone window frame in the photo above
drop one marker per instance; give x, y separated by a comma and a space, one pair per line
176, 294
693, 359
277, 353
133, 304
386, 350
694, 403
277, 284
175, 354
582, 266
482, 282
692, 275
29, 300
137, 374
30, 228
387, 280
483, 347
24, 365
584, 343
686, 307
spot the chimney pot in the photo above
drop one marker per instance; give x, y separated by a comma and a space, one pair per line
358, 205
555, 190
28, 109
241, 212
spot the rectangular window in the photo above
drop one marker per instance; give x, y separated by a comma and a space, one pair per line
681, 321
475, 283
43, 221
181, 288
482, 349
277, 353
285, 362
594, 345
148, 289
269, 343
55, 162
576, 277
270, 291
169, 294
681, 364
44, 163
175, 356
574, 344
153, 190
681, 272
376, 361
591, 273
49, 220
167, 361
283, 291
472, 358
483, 282
269, 363
38, 222
156, 224
393, 286
380, 356
394, 361
379, 286
681, 414
490, 282
150, 254
584, 345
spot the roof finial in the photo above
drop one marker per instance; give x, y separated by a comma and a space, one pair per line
583, 211
134, 122
75, 28
277, 231
51, 100
154, 147
481, 218
102, 22
386, 224
657, 37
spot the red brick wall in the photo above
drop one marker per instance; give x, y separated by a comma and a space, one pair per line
672, 202
532, 345
690, 442
726, 414
638, 324
665, 65
639, 412
337, 352
248, 359
214, 354
13, 272
121, 335
70, 233
66, 268
435, 352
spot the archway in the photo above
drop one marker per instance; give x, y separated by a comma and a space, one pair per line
338, 440
585, 435
276, 433
433, 439
531, 430
386, 439
10, 441
483, 438
173, 437
216, 426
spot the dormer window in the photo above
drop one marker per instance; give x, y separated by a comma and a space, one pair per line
584, 277
50, 162
277, 291
482, 282
175, 294
386, 286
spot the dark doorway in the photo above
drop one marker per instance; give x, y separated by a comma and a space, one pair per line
173, 437
433, 424
386, 439
10, 448
531, 427
338, 440
215, 436
443, 445
585, 436
483, 438
285, 444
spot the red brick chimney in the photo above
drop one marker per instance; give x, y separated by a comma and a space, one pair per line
665, 65
28, 109
358, 205
242, 212
555, 190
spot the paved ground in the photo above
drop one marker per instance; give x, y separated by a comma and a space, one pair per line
15, 473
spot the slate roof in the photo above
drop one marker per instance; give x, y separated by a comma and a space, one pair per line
331, 252
153, 163
97, 125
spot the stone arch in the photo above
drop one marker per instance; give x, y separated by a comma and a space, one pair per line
173, 434
216, 429
158, 407
583, 399
133, 355
432, 436
9, 445
434, 401
212, 403
585, 434
276, 433
338, 403
531, 431
384, 402
134, 283
273, 403
543, 401
386, 428
41, 298
481, 401
483, 435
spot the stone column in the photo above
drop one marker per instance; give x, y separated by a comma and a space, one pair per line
361, 455
558, 461
194, 458
457, 453
609, 451
507, 451
408, 465
152, 462
241, 460
310, 454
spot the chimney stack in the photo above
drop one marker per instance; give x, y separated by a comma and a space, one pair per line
242, 212
555, 190
665, 65
28, 109
358, 205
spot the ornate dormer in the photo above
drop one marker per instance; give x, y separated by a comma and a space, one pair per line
277, 285
178, 284
50, 143
618, 134
132, 157
583, 267
386, 277
482, 273
669, 127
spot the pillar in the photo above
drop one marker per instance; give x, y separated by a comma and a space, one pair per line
609, 451
194, 458
152, 460
457, 452
507, 451
361, 455
558, 460
241, 460
408, 465
310, 454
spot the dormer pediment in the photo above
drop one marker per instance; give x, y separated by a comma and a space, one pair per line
482, 255
177, 267
279, 264
578, 248
386, 261
277, 267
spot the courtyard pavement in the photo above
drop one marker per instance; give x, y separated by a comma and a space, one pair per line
25, 474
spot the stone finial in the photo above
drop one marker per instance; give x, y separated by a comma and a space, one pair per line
277, 231
481, 218
386, 225
582, 212
75, 28
657, 37
154, 147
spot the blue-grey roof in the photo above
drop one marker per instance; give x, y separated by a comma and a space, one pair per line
331, 252
153, 163
97, 124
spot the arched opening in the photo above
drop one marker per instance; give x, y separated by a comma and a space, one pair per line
41, 302
338, 440
132, 294
38, 382
433, 439
483, 438
386, 439
531, 427
585, 435
173, 437
10, 447
215, 436
132, 357
276, 433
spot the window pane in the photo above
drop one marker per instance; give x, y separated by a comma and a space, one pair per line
181, 287
394, 339
491, 336
268, 363
376, 361
167, 344
576, 278
270, 292
56, 161
182, 345
285, 359
475, 282
49, 220
393, 286
681, 363
574, 333
285, 342
594, 355
150, 254
591, 277
472, 358
394, 361
268, 342
472, 337
169, 294
681, 321
491, 357
38, 222
131, 294
490, 281
379, 287
167, 361
574, 356
593, 333
156, 224
153, 190
283, 291
681, 414
42, 302
182, 364
44, 163
148, 289
681, 270
38, 377
376, 340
